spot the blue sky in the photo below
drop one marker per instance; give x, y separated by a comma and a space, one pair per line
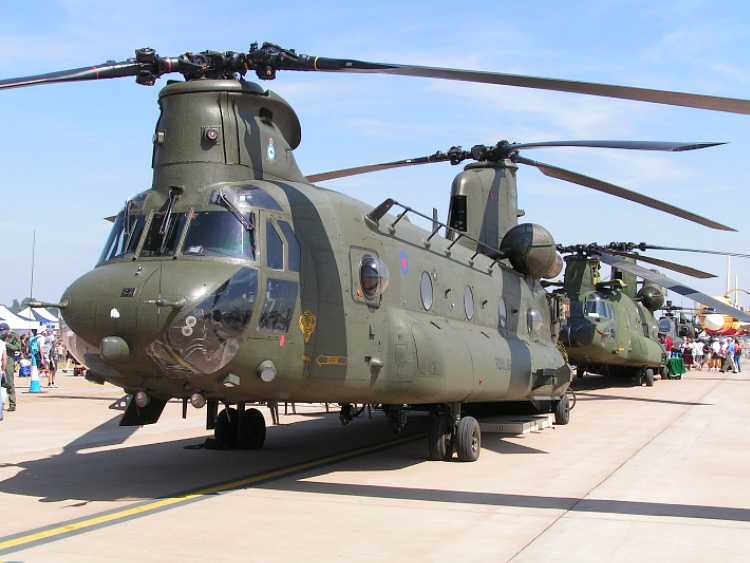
72, 154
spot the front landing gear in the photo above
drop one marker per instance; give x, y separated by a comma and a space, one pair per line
452, 432
240, 429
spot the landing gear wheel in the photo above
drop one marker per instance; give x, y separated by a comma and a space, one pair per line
225, 431
649, 377
251, 431
440, 439
664, 373
562, 411
580, 372
638, 377
468, 439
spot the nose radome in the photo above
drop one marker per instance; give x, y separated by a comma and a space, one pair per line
131, 303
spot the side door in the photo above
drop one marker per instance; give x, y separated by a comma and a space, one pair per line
279, 295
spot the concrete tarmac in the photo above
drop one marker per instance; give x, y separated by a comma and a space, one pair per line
646, 474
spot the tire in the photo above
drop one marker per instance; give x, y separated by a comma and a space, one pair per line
225, 431
562, 411
468, 439
251, 433
439, 439
649, 377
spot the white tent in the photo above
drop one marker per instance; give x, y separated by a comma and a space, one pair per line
15, 322
40, 315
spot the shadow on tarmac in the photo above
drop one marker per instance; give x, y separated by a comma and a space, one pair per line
144, 471
572, 504
153, 471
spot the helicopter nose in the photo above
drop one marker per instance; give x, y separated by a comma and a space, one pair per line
582, 333
126, 309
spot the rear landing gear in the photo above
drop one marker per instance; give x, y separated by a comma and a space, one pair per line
440, 438
452, 432
562, 410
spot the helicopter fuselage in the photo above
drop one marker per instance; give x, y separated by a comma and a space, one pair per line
335, 307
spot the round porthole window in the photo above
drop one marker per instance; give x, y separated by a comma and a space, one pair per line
468, 303
373, 278
369, 277
425, 291
502, 314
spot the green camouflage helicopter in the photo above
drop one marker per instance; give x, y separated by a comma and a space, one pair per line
610, 327
234, 279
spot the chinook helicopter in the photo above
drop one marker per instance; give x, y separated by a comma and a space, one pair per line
234, 279
611, 327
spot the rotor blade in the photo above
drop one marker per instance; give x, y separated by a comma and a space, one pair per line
717, 103
719, 252
673, 285
611, 189
107, 70
687, 270
630, 145
345, 172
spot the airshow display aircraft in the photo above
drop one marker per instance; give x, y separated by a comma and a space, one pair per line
234, 279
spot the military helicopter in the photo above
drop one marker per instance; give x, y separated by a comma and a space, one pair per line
234, 279
611, 328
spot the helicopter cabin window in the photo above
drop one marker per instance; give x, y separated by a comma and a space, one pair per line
163, 236
295, 257
534, 321
274, 247
597, 308
278, 306
425, 290
468, 303
502, 315
219, 233
373, 280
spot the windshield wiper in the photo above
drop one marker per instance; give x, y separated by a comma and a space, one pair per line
223, 200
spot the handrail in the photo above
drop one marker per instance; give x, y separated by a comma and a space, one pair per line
381, 210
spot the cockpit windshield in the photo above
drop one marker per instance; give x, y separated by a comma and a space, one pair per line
162, 240
597, 307
219, 233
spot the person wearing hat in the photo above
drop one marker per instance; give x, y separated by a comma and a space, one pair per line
12, 348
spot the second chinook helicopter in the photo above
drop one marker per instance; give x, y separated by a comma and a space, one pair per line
234, 279
611, 328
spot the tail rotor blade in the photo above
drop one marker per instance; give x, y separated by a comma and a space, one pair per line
611, 189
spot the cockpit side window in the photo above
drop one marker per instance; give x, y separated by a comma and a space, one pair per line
597, 307
116, 241
219, 233
292, 247
274, 247
278, 306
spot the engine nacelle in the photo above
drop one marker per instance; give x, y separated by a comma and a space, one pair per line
531, 250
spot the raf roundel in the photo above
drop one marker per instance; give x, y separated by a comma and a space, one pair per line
404, 262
